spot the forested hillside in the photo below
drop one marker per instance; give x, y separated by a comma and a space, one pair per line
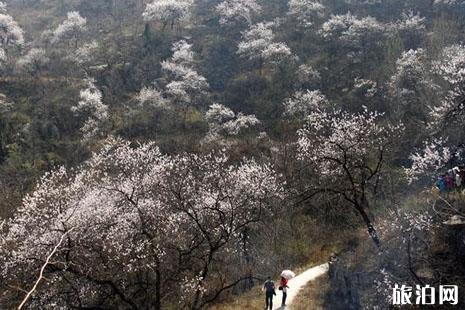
172, 154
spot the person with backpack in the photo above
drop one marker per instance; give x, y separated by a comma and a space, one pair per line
458, 178
283, 287
441, 184
462, 174
269, 289
450, 182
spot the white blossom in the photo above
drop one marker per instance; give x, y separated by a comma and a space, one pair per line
167, 12
233, 127
451, 68
367, 87
92, 106
410, 232
237, 10
223, 121
3, 56
186, 83
10, 32
302, 103
350, 29
346, 151
276, 52
151, 96
428, 161
255, 40
218, 113
410, 22
135, 210
410, 64
34, 59
72, 26
258, 42
328, 137
306, 11
451, 65
189, 287
182, 53
411, 77
85, 53
307, 74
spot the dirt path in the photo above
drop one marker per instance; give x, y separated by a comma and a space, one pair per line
296, 284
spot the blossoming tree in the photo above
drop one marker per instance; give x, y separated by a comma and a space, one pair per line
167, 12
347, 153
451, 67
33, 61
70, 29
302, 104
224, 122
306, 11
237, 10
185, 84
162, 222
258, 44
11, 34
91, 106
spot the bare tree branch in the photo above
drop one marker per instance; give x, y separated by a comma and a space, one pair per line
42, 269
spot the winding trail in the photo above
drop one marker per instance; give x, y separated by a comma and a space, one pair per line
296, 284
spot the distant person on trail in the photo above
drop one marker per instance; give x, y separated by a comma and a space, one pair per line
283, 287
461, 173
441, 184
269, 289
450, 182
458, 177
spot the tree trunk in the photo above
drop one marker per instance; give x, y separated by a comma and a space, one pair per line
157, 305
370, 228
196, 302
248, 284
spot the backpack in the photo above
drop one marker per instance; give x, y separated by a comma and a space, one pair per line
269, 286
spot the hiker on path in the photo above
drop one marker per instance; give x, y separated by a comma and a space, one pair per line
269, 289
458, 180
450, 182
461, 173
458, 177
441, 184
283, 286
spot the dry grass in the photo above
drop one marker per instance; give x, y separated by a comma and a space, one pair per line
254, 299
311, 297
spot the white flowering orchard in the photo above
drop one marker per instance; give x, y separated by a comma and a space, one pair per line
347, 152
132, 212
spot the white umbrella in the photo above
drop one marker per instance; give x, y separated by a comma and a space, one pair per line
287, 274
